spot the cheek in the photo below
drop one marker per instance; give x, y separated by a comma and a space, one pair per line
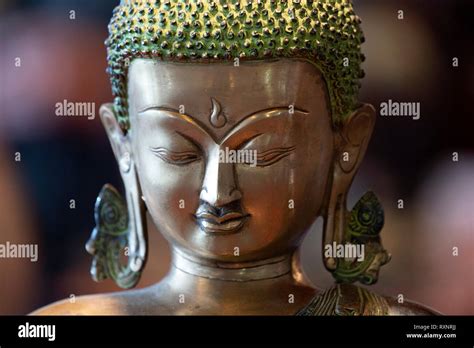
171, 191
266, 189
265, 196
292, 189
315, 175
315, 161
286, 198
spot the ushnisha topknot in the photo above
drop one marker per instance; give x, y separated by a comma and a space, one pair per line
325, 32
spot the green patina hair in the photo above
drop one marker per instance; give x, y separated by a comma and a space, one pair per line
325, 32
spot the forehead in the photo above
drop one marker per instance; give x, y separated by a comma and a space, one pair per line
240, 90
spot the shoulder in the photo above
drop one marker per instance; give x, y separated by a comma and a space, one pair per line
352, 300
83, 305
408, 308
117, 303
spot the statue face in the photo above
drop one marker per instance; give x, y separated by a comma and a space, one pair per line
233, 162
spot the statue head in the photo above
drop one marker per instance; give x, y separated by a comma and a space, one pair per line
236, 123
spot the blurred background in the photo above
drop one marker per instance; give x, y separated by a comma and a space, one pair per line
409, 60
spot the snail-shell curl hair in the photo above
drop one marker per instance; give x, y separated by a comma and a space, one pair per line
326, 32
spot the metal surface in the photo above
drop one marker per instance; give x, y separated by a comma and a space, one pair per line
288, 121
278, 108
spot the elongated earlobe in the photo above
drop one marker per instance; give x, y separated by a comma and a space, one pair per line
361, 226
117, 233
120, 223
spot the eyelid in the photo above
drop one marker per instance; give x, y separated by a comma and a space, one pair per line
176, 157
273, 155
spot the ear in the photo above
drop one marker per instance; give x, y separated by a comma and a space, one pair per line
351, 143
136, 208
118, 140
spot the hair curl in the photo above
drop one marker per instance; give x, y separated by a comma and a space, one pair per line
325, 32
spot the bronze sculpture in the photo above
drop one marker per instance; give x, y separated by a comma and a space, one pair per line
274, 84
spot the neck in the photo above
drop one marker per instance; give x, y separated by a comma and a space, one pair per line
233, 271
269, 286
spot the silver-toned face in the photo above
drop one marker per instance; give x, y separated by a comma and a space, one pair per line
233, 161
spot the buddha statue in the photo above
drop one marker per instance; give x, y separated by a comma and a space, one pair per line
235, 125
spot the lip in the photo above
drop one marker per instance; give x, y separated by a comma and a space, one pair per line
226, 224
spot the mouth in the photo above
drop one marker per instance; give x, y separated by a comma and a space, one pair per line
229, 223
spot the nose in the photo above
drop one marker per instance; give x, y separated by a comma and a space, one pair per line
219, 186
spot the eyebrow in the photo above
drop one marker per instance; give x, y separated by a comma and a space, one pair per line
160, 108
241, 123
170, 109
258, 116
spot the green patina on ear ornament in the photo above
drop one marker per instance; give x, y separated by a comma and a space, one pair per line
110, 238
364, 224
326, 32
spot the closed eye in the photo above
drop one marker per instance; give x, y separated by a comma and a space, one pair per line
175, 157
272, 156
